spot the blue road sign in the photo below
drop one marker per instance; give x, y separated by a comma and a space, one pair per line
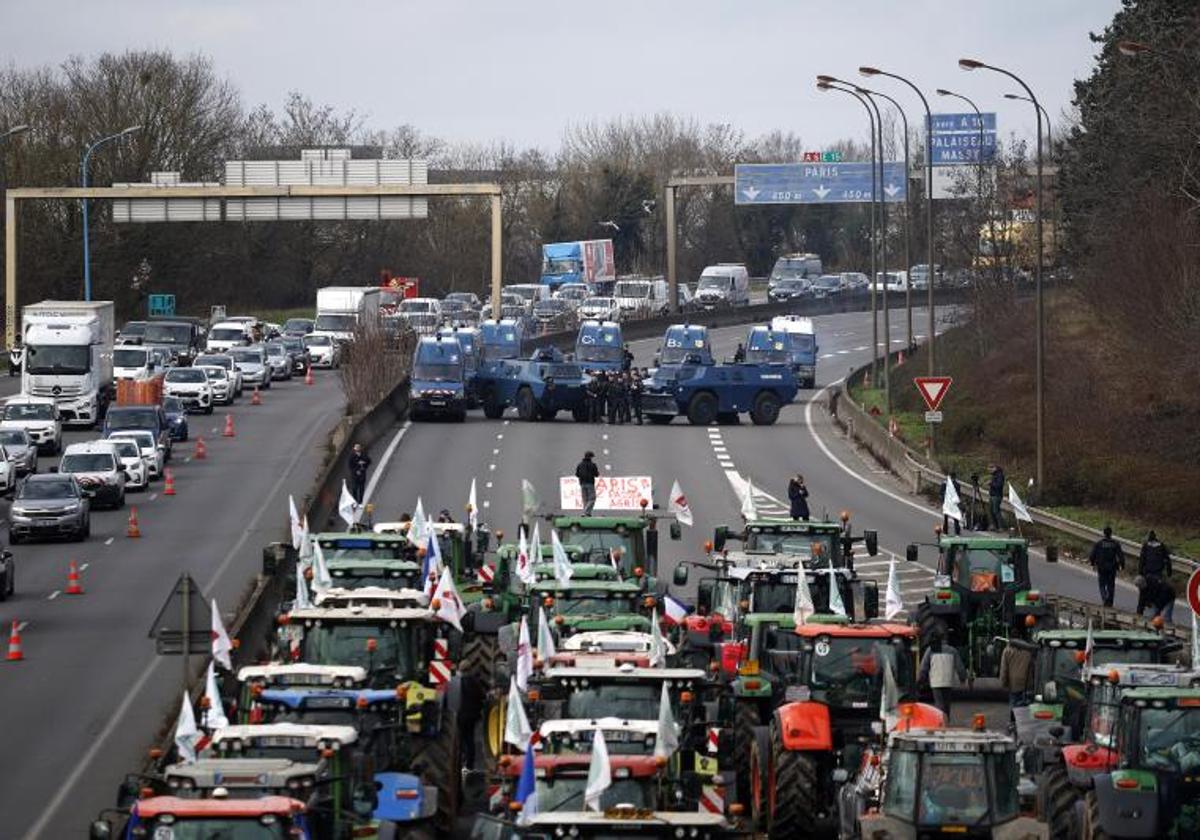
162, 305
955, 123
953, 149
814, 183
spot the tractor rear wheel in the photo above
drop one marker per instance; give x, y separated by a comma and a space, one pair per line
766, 409
1092, 830
930, 625
702, 409
479, 655
745, 720
1056, 800
761, 776
795, 792
438, 760
527, 408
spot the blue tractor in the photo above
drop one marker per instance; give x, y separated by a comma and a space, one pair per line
599, 348
438, 384
539, 387
688, 382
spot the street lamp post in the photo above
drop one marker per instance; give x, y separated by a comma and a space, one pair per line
825, 83
932, 334
83, 180
1050, 146
979, 183
5, 136
1039, 341
881, 197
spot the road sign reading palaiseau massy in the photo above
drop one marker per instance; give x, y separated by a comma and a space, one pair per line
814, 183
958, 138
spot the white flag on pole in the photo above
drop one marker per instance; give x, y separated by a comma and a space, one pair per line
889, 699
599, 777
450, 607
1018, 506
214, 717
186, 733
524, 656
894, 604
804, 608
749, 512
658, 648
562, 563
302, 601
679, 505
666, 741
525, 560
416, 528
222, 647
529, 500
348, 507
836, 605
545, 637
306, 549
294, 522
516, 724
321, 579
951, 504
472, 507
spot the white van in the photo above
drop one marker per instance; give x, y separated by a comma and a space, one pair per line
228, 334
723, 284
132, 361
641, 297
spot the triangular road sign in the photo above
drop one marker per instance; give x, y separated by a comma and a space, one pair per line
933, 389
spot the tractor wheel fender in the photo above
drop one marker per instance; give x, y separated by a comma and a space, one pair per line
804, 726
1088, 758
919, 716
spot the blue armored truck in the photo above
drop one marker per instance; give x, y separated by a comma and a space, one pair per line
599, 347
538, 387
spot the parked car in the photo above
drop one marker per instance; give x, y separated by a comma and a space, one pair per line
176, 417
130, 456
298, 327
152, 455
723, 284
222, 360
431, 306
49, 505
20, 448
573, 293
219, 381
642, 297
147, 418
600, 309
323, 350
183, 337
39, 417
919, 275
294, 344
190, 385
252, 362
97, 468
793, 288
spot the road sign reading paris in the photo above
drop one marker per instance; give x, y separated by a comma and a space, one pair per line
814, 183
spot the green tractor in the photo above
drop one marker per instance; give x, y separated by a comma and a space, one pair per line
982, 596
631, 540
410, 652
813, 542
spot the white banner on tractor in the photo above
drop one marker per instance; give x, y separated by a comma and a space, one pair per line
613, 492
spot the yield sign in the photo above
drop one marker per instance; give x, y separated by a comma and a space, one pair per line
1193, 591
933, 389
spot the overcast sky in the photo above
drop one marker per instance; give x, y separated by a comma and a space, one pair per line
523, 70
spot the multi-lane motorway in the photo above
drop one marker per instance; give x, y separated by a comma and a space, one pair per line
88, 700
83, 708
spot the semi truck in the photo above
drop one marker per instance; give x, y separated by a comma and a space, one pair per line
342, 309
590, 261
68, 357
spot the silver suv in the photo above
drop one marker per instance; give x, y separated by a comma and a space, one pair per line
49, 505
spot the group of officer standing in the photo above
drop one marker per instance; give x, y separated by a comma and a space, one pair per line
616, 395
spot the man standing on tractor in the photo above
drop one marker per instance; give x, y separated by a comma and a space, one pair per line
587, 472
995, 494
942, 670
1108, 559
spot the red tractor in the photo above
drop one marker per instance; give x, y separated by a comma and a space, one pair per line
828, 682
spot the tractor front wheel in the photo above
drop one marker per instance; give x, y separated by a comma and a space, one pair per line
794, 794
1056, 800
438, 760
746, 719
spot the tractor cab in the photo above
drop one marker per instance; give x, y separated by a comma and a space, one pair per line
592, 605
369, 560
264, 818
614, 823
982, 596
946, 782
560, 779
607, 648
630, 542
299, 677
816, 544
371, 596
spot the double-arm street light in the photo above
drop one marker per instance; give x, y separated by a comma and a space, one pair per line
83, 171
1039, 340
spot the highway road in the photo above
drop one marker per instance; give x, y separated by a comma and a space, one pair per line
82, 709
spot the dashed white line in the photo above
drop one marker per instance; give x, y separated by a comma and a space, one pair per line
495, 451
83, 567
861, 347
153, 496
108, 541
605, 451
487, 485
21, 626
53, 595
608, 467
604, 436
720, 449
492, 467
499, 436
843, 352
486, 503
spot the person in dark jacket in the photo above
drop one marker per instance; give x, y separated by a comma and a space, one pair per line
359, 463
626, 359
995, 495
1154, 568
1108, 559
587, 472
739, 355
798, 498
636, 386
616, 400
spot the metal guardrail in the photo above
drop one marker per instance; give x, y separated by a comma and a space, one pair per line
912, 467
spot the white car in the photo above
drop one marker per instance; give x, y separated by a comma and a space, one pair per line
39, 417
98, 469
322, 350
133, 362
152, 456
130, 455
599, 309
191, 387
222, 385
223, 360
227, 335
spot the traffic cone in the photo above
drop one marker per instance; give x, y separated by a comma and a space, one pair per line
256, 399
74, 587
169, 483
14, 645
308, 377
133, 531
201, 450
229, 432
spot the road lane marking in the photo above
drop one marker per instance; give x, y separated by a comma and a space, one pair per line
499, 436
153, 496
21, 626
495, 451
608, 467
486, 503
492, 467
383, 462
53, 595
488, 485
109, 541
83, 567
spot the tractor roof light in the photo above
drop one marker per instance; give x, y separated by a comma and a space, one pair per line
979, 723
1114, 676
708, 546
1030, 620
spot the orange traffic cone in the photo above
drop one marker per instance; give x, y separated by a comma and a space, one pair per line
14, 645
308, 377
74, 587
229, 432
133, 531
201, 450
256, 399
169, 483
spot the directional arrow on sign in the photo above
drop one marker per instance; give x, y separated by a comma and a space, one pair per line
752, 192
821, 191
891, 190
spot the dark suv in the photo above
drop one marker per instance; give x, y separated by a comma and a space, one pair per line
151, 418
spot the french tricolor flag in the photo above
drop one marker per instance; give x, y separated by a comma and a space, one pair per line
674, 611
